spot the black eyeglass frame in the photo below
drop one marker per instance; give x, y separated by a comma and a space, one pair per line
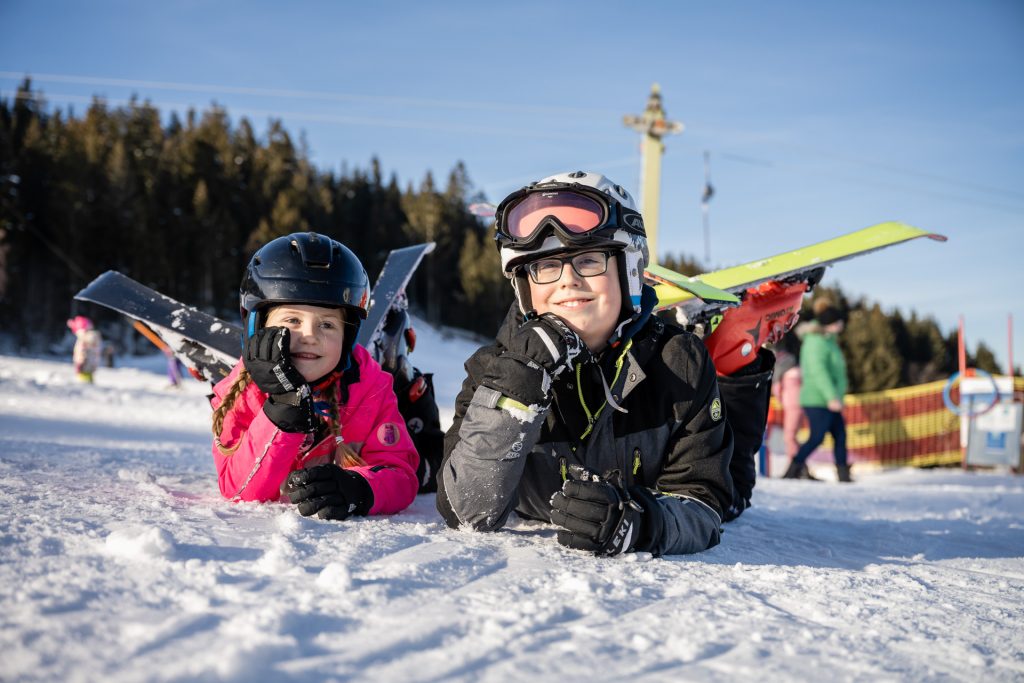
571, 260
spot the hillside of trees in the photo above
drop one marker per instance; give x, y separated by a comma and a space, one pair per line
181, 205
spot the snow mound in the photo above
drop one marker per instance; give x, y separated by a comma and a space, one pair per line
140, 544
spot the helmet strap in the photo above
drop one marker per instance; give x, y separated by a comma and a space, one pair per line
521, 286
252, 324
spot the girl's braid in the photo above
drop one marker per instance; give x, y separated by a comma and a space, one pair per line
344, 454
241, 382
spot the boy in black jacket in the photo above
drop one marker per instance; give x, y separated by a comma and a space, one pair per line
592, 414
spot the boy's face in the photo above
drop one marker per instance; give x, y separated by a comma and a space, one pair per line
317, 335
589, 305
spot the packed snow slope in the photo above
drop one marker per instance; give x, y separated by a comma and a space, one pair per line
119, 561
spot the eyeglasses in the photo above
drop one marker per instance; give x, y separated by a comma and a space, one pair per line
577, 214
588, 264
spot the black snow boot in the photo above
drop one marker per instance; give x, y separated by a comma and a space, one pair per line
794, 470
844, 474
798, 470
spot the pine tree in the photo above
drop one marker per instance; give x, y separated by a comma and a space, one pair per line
869, 347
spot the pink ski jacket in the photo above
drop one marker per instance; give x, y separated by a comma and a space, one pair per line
370, 422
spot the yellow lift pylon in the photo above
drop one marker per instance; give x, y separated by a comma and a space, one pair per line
653, 125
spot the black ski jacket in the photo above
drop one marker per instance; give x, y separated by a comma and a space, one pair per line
671, 437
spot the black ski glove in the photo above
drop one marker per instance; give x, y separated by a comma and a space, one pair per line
292, 411
540, 350
329, 492
267, 358
598, 515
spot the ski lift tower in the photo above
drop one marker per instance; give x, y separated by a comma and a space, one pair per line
653, 125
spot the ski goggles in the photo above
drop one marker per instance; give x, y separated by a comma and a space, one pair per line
576, 214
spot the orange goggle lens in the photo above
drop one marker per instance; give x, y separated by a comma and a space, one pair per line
578, 213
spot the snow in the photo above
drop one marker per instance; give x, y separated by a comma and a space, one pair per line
119, 561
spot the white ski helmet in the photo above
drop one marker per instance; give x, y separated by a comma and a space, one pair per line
567, 212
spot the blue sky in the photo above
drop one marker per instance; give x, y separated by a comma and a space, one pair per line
820, 118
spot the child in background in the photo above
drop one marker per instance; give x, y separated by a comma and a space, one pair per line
823, 384
308, 415
88, 347
786, 388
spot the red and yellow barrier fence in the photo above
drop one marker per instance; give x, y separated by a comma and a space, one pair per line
907, 426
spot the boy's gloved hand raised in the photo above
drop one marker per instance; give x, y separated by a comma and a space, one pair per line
600, 516
329, 492
267, 359
540, 350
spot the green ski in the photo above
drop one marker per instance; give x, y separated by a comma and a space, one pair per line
703, 291
790, 265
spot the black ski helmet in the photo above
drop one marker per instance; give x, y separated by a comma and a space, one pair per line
305, 268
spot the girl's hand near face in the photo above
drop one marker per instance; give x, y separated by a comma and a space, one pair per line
268, 360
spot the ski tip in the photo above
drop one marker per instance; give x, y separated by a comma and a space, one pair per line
919, 232
483, 209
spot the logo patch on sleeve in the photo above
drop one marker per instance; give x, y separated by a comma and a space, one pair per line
716, 410
388, 434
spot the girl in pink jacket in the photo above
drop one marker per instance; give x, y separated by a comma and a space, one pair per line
307, 416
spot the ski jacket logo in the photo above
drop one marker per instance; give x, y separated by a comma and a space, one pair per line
388, 434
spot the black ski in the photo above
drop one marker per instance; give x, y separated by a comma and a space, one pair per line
203, 342
389, 291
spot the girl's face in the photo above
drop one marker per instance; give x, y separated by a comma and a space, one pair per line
317, 334
589, 305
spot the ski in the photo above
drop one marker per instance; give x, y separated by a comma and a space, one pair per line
769, 291
799, 264
388, 291
204, 343
703, 291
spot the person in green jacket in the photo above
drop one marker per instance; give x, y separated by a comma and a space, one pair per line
821, 395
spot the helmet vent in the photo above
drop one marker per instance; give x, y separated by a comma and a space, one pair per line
578, 174
315, 253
